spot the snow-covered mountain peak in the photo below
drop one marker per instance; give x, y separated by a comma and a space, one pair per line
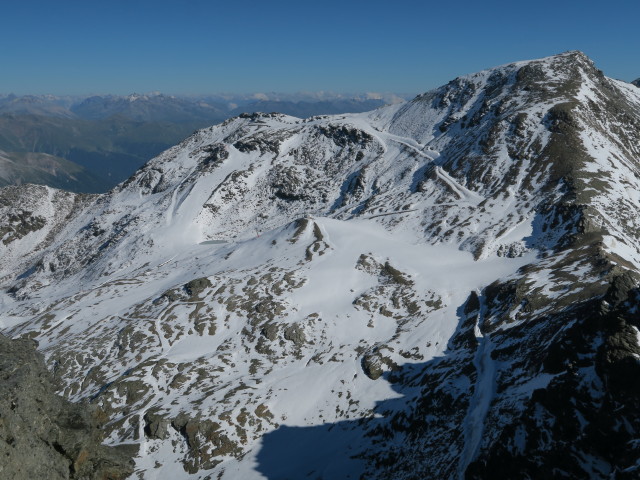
476, 247
504, 145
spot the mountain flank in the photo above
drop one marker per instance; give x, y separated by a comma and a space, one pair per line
41, 168
443, 288
100, 141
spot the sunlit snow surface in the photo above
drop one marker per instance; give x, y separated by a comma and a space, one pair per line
313, 243
297, 391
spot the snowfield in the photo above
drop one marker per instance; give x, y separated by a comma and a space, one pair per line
405, 293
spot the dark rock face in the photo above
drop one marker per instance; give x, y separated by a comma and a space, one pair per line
636, 82
586, 410
20, 224
44, 436
578, 422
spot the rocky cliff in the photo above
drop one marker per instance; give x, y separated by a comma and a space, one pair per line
43, 435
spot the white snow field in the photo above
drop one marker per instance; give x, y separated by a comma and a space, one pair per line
244, 305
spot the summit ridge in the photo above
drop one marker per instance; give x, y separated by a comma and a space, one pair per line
442, 288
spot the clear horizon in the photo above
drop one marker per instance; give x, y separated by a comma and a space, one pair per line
254, 95
200, 47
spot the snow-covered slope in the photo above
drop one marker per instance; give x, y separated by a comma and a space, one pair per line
438, 289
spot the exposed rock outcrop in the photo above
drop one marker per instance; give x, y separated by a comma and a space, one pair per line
43, 436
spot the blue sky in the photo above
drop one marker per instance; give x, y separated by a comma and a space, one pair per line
197, 46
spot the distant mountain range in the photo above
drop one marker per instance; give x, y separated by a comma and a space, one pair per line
100, 141
41, 168
48, 105
109, 150
158, 107
150, 108
446, 288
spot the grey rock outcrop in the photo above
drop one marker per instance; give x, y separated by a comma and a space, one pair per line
44, 436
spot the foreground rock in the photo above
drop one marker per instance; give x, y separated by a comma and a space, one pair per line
41, 434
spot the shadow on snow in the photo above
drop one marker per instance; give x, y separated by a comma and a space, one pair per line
343, 450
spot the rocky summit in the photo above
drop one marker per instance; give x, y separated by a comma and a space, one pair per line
444, 288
